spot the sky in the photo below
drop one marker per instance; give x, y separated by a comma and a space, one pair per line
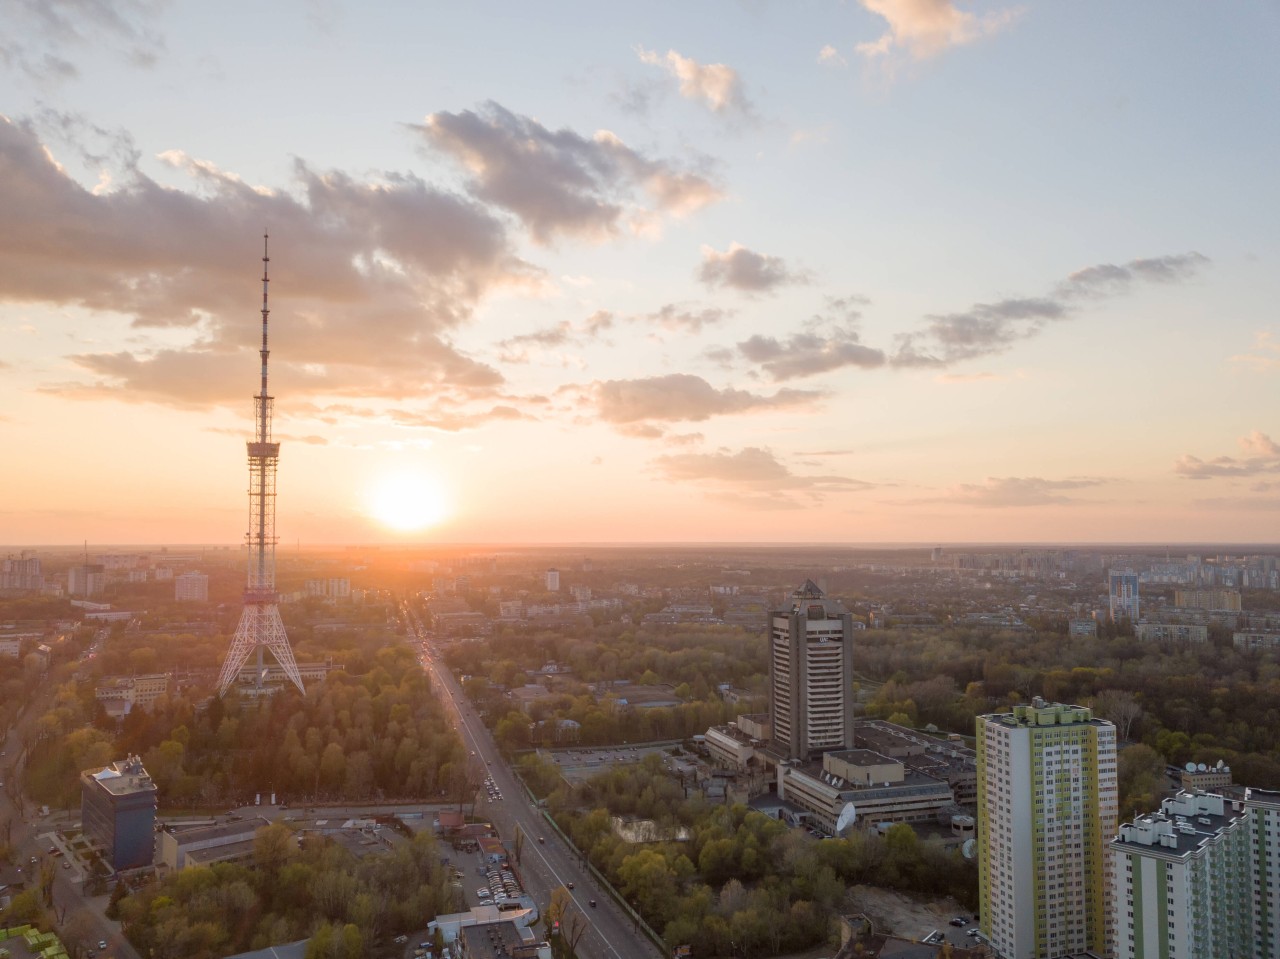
833, 272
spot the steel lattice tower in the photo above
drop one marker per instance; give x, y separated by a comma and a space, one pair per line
260, 625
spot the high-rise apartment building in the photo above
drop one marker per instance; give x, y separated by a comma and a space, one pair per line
810, 675
21, 572
191, 588
87, 580
1214, 600
1180, 881
1199, 879
553, 580
1263, 806
1046, 810
1122, 589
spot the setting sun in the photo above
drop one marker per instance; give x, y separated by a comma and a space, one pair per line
407, 501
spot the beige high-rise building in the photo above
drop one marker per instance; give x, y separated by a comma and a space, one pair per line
810, 675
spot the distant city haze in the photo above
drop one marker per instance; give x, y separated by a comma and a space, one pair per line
877, 272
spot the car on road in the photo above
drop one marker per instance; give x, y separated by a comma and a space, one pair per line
102, 943
65, 864
592, 903
569, 885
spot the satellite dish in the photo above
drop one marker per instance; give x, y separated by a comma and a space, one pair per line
1191, 767
1220, 764
1203, 768
968, 848
848, 816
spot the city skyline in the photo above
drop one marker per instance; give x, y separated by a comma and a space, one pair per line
917, 272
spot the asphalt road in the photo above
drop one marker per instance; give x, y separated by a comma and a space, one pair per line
545, 865
33, 835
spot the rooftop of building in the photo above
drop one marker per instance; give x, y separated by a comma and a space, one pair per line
1181, 827
809, 601
732, 731
888, 738
222, 831
862, 757
1041, 714
124, 777
1265, 797
914, 782
493, 940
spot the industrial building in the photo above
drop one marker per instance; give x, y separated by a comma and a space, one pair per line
122, 694
882, 790
118, 812
230, 842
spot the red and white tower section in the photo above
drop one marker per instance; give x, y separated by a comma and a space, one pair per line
260, 624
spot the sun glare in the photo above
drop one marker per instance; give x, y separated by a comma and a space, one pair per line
407, 501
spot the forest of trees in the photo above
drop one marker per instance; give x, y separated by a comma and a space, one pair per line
379, 735
693, 661
740, 877
1196, 703
292, 890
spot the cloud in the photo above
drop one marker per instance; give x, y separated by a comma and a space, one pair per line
369, 277
755, 473
676, 320
559, 183
517, 349
716, 85
1108, 279
831, 57
39, 35
1263, 355
456, 421
670, 318
1017, 491
986, 329
1251, 504
968, 377
680, 397
745, 270
924, 28
825, 344
1262, 456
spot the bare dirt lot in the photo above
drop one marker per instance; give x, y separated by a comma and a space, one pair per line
901, 915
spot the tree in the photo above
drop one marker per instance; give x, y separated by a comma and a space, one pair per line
1139, 770
272, 847
1120, 707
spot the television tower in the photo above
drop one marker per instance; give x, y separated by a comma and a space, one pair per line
260, 625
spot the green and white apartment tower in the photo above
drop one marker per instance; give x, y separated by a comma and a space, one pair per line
1198, 879
1047, 808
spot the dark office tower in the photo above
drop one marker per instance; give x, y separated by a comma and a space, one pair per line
810, 675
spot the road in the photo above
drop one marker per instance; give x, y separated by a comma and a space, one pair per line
547, 864
32, 835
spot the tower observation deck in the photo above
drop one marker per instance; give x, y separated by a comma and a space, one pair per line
260, 625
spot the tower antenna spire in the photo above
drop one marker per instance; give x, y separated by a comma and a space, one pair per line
260, 625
